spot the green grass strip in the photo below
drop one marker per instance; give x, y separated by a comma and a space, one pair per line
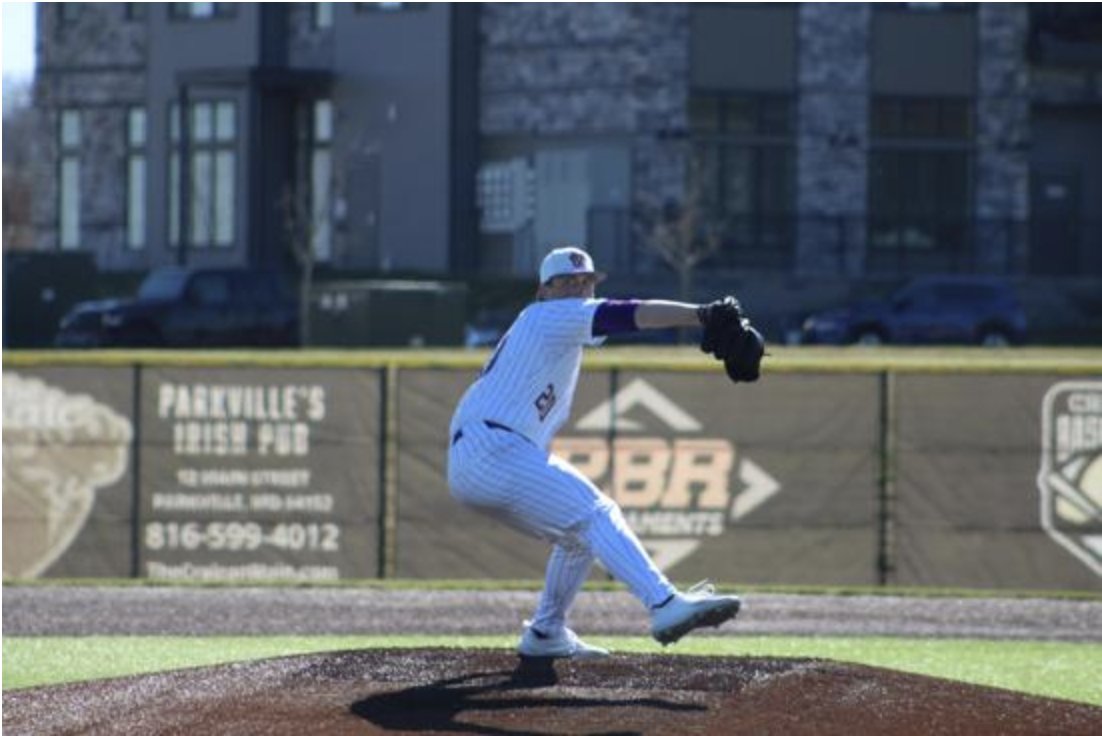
1071, 671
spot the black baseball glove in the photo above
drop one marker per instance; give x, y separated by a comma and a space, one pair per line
730, 338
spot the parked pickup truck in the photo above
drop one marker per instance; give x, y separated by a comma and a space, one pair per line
180, 307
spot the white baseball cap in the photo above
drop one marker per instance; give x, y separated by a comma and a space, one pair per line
569, 260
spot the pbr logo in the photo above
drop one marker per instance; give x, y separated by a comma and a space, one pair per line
1070, 479
675, 492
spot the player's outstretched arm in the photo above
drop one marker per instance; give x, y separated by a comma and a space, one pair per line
614, 316
657, 314
728, 334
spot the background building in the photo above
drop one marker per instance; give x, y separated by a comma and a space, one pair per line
321, 103
821, 148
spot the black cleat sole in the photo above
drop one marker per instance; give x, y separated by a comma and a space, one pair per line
712, 618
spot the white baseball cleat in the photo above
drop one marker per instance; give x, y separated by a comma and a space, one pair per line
698, 606
565, 644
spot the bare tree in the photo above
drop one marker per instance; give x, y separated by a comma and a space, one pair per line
301, 223
19, 137
684, 231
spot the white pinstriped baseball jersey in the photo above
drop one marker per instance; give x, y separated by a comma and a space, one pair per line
527, 386
528, 383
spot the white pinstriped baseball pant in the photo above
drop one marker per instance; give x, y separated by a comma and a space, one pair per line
503, 474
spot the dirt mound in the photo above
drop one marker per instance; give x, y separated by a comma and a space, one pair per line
492, 692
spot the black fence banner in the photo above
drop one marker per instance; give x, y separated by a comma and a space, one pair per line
986, 480
999, 481
252, 474
766, 482
771, 482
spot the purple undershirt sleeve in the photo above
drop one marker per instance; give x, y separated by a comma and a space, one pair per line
613, 316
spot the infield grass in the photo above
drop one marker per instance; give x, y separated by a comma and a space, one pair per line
1071, 671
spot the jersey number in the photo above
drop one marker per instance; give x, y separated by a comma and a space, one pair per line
545, 402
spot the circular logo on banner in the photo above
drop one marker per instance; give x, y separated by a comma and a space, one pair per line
59, 449
1070, 479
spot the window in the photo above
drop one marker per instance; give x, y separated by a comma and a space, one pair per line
135, 178
322, 15
309, 204
210, 290
505, 193
922, 118
163, 284
925, 8
744, 170
920, 174
212, 135
200, 11
1072, 23
768, 116
389, 7
321, 176
68, 12
1065, 34
69, 140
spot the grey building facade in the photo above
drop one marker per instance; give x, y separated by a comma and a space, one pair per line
842, 141
330, 122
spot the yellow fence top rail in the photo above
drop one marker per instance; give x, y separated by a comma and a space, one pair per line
1078, 361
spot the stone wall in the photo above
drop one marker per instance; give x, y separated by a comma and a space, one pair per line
582, 69
94, 62
832, 136
559, 71
1002, 130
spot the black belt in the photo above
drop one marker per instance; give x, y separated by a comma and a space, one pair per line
489, 423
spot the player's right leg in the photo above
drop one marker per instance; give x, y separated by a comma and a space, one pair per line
503, 474
507, 476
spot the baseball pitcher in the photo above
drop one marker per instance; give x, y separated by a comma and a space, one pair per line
499, 462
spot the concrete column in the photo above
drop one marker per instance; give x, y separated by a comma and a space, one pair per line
832, 137
1002, 136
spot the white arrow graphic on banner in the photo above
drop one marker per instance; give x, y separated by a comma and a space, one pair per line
668, 552
638, 393
760, 485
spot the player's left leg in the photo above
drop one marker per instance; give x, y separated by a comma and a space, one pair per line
547, 635
567, 569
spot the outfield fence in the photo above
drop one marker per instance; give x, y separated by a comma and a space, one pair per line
867, 472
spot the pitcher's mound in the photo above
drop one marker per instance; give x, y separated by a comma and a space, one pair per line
493, 692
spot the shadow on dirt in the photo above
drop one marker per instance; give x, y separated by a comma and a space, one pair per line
438, 706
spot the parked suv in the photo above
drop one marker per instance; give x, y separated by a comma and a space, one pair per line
177, 307
931, 309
